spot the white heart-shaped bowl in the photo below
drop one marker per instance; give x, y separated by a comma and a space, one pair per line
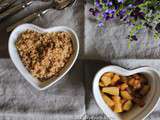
17, 60
136, 113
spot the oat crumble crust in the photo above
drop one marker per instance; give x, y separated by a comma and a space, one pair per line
44, 54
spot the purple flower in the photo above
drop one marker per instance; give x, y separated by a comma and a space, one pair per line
97, 3
130, 23
113, 11
105, 1
130, 5
110, 3
104, 15
112, 16
100, 24
107, 18
141, 15
120, 1
137, 2
108, 14
110, 11
141, 31
133, 38
94, 12
116, 7
137, 14
122, 12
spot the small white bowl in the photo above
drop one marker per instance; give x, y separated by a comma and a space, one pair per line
18, 63
136, 113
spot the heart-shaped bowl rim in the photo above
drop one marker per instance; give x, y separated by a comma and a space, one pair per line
153, 98
21, 68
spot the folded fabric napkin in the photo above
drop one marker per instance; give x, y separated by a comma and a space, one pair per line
20, 101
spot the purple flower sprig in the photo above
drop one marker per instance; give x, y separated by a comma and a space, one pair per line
108, 9
128, 11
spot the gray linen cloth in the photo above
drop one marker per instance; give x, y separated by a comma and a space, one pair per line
20, 101
113, 43
72, 98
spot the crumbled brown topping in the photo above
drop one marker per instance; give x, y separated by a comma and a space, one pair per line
44, 54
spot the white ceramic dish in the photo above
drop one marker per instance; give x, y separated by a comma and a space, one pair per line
136, 113
17, 61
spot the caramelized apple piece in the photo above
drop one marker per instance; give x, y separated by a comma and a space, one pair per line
123, 86
131, 81
108, 100
101, 84
118, 104
109, 74
126, 95
115, 79
127, 105
123, 101
106, 80
135, 83
111, 90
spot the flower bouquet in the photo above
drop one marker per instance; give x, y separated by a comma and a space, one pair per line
140, 15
